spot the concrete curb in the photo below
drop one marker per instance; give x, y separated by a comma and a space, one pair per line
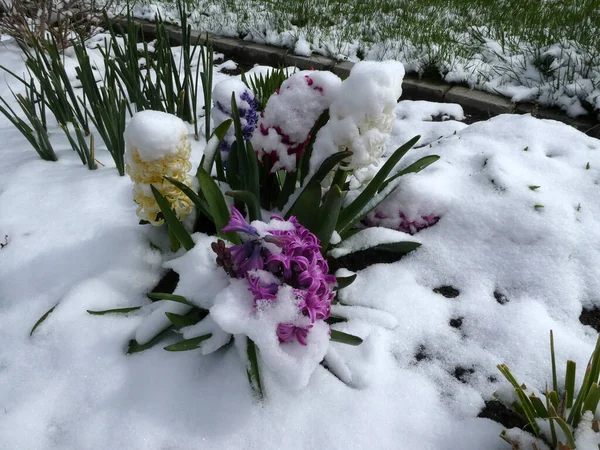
477, 103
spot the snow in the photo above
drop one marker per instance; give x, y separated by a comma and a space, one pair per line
74, 240
154, 134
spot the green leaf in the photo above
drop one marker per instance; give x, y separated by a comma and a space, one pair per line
525, 403
305, 160
253, 175
587, 166
182, 321
327, 216
345, 338
216, 203
347, 215
41, 319
533, 188
570, 383
401, 248
233, 180
328, 165
195, 198
253, 370
415, 167
538, 206
171, 297
188, 344
134, 347
343, 282
553, 362
219, 134
592, 399
172, 221
114, 311
250, 200
567, 430
306, 204
538, 405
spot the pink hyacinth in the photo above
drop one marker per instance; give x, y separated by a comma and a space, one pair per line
298, 264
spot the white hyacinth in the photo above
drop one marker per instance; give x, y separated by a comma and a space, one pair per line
362, 115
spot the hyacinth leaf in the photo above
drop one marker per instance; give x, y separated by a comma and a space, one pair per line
171, 297
188, 344
175, 226
244, 165
195, 198
216, 139
113, 311
253, 176
180, 321
552, 427
567, 431
554, 400
401, 248
349, 213
250, 200
288, 187
253, 371
327, 216
343, 282
304, 206
232, 177
345, 338
415, 167
324, 169
135, 347
305, 160
539, 407
41, 319
570, 383
217, 205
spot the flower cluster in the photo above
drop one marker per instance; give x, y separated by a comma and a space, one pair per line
247, 107
284, 127
362, 115
401, 222
281, 253
157, 147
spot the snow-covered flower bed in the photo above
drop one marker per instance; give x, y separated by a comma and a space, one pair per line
505, 223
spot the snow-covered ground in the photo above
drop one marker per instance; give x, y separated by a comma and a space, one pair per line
519, 221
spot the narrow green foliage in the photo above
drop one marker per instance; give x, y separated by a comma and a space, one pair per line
199, 202
343, 282
250, 200
85, 151
216, 205
253, 369
264, 86
41, 319
587, 166
534, 188
345, 338
538, 206
175, 226
114, 311
215, 140
327, 216
171, 297
188, 344
303, 207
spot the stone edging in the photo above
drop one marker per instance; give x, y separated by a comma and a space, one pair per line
477, 103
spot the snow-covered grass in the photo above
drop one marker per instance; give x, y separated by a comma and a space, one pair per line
528, 50
519, 223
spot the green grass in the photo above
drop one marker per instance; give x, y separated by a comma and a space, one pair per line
432, 37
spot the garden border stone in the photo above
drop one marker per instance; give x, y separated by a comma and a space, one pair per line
475, 102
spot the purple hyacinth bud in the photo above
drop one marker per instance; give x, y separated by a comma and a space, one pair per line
238, 223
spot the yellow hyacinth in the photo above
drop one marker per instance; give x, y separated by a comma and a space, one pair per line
158, 147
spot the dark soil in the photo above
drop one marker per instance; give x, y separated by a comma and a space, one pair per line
447, 291
463, 374
500, 298
591, 317
421, 353
456, 322
496, 411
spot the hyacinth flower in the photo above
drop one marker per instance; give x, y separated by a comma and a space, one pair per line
284, 127
401, 222
221, 111
284, 254
158, 147
362, 115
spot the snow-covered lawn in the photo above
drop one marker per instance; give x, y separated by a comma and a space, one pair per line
517, 237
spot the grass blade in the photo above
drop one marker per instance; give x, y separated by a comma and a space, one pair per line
41, 319
113, 311
345, 338
188, 344
175, 226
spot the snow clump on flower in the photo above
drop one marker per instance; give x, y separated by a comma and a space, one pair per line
280, 294
362, 115
158, 147
284, 127
221, 111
